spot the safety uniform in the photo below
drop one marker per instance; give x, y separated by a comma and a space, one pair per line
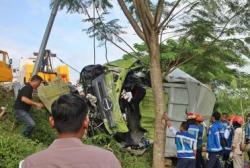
247, 138
185, 145
214, 147
193, 129
227, 148
199, 159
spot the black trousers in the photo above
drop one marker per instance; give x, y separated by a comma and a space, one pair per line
213, 160
185, 163
199, 159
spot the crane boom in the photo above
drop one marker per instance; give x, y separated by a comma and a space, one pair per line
46, 37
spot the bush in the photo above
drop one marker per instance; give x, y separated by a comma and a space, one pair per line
14, 148
42, 132
127, 159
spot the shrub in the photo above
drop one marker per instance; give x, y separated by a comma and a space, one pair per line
14, 148
42, 132
127, 159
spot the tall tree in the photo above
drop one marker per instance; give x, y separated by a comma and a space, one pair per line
150, 20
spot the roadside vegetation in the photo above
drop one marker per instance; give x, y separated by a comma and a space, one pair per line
14, 147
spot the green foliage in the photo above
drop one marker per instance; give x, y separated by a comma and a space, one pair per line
43, 133
212, 63
235, 98
127, 159
14, 148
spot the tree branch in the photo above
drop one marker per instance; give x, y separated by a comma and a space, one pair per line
180, 63
144, 22
105, 35
225, 26
119, 37
159, 11
170, 13
131, 20
173, 17
148, 12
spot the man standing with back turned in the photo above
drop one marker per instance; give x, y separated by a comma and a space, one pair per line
23, 104
69, 118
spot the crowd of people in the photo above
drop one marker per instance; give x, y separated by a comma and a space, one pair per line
227, 138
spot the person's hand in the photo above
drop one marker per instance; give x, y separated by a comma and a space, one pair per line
207, 156
39, 106
169, 124
164, 118
231, 155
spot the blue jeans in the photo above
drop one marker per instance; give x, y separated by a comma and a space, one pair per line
24, 117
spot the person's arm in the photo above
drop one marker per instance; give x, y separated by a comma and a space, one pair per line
168, 123
227, 133
195, 147
30, 102
171, 128
205, 127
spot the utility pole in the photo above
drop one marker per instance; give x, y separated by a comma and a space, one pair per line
46, 37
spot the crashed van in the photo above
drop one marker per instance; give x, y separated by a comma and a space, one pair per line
121, 101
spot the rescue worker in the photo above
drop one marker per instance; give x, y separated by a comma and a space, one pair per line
199, 159
214, 147
192, 125
226, 140
247, 135
237, 141
23, 104
194, 130
185, 145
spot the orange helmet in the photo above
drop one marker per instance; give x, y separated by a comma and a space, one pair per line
231, 117
199, 118
238, 119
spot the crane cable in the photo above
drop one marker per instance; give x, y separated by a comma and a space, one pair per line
67, 64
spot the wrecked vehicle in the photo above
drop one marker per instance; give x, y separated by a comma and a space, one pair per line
125, 102
122, 104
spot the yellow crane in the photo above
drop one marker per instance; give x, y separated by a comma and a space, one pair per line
46, 70
5, 67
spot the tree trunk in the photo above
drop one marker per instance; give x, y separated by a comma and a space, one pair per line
160, 106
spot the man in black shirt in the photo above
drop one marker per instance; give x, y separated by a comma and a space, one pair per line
23, 104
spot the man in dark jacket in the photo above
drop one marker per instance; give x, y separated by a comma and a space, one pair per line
23, 104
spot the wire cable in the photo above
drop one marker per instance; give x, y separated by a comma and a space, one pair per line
67, 64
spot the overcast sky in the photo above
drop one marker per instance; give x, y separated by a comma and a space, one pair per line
23, 23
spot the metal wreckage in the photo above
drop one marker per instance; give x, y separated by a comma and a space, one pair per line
121, 101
